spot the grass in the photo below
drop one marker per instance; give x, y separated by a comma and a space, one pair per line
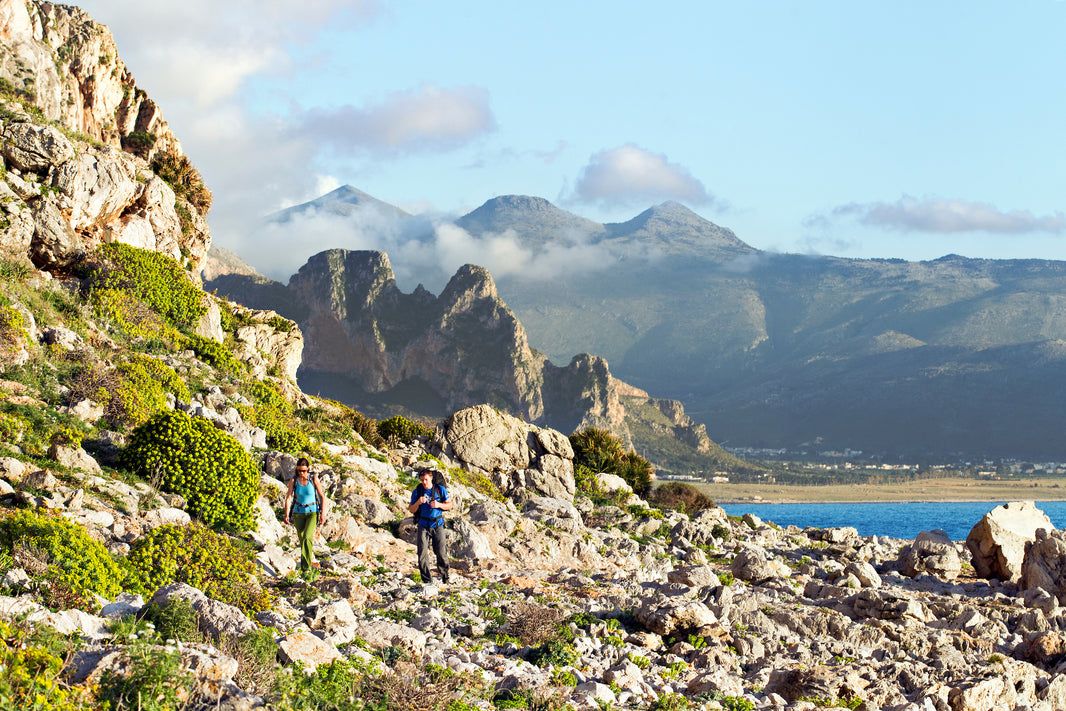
951, 489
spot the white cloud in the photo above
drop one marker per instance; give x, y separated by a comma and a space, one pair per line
629, 174
428, 118
910, 214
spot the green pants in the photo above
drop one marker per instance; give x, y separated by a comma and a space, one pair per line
305, 530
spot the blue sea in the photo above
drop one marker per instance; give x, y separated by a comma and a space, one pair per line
897, 520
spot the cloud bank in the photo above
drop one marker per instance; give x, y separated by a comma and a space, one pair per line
909, 214
422, 250
631, 175
428, 119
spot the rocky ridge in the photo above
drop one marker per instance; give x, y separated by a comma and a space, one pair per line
79, 138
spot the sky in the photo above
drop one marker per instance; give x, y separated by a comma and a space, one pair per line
875, 130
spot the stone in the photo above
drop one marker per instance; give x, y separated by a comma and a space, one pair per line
997, 541
215, 618
308, 650
932, 552
1044, 564
165, 516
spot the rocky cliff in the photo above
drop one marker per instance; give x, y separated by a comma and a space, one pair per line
88, 156
465, 344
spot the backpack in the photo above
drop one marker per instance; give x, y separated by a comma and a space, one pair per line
439, 485
311, 479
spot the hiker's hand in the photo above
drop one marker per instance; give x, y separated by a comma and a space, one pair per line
434, 505
286, 520
424, 499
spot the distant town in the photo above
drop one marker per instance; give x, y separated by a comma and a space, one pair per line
785, 465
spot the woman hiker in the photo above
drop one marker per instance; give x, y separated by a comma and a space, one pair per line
306, 490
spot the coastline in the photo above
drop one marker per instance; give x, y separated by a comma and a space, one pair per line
953, 490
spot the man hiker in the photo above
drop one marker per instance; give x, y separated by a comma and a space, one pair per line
429, 501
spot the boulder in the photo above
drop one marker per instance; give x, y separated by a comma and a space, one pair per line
1044, 565
215, 618
932, 552
997, 542
671, 615
700, 528
517, 455
309, 650
466, 542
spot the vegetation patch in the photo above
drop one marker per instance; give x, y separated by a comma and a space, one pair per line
600, 451
70, 566
192, 458
219, 566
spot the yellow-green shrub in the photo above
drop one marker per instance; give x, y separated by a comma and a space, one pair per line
133, 317
130, 392
32, 674
403, 429
151, 277
193, 459
213, 353
275, 414
217, 565
75, 565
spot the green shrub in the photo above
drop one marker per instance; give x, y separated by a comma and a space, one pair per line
133, 317
275, 415
151, 277
62, 555
215, 354
402, 429
680, 496
32, 675
202, 464
184, 178
176, 619
217, 565
152, 679
130, 392
600, 451
555, 651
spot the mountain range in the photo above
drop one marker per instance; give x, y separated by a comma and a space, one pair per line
952, 357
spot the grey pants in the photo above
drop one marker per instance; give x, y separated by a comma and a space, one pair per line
438, 537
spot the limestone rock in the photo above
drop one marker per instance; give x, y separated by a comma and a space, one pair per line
997, 542
1044, 565
307, 649
216, 618
934, 553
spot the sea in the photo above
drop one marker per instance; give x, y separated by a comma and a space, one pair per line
895, 520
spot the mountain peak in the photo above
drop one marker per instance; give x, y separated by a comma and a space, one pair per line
343, 202
536, 220
676, 229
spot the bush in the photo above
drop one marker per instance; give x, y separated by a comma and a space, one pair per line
133, 317
275, 414
60, 553
151, 277
174, 620
532, 624
600, 451
402, 429
680, 496
200, 463
131, 392
183, 177
217, 565
213, 353
32, 675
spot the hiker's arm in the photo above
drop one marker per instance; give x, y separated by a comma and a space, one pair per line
417, 502
445, 505
288, 498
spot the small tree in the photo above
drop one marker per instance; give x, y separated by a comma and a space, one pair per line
600, 451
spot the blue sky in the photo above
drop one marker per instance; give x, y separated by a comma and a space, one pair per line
901, 129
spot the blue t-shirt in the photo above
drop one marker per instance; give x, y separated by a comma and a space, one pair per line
429, 517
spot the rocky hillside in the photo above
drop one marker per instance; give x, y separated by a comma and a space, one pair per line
88, 157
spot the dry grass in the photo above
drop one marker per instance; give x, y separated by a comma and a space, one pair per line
956, 489
531, 623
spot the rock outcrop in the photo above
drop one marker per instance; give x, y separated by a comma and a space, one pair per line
78, 140
998, 541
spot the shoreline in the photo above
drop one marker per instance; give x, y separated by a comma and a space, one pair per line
948, 490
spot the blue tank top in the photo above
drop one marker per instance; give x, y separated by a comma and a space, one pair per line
305, 500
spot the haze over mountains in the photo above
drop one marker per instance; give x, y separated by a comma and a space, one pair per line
946, 358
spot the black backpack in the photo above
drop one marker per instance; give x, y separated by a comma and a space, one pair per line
439, 485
